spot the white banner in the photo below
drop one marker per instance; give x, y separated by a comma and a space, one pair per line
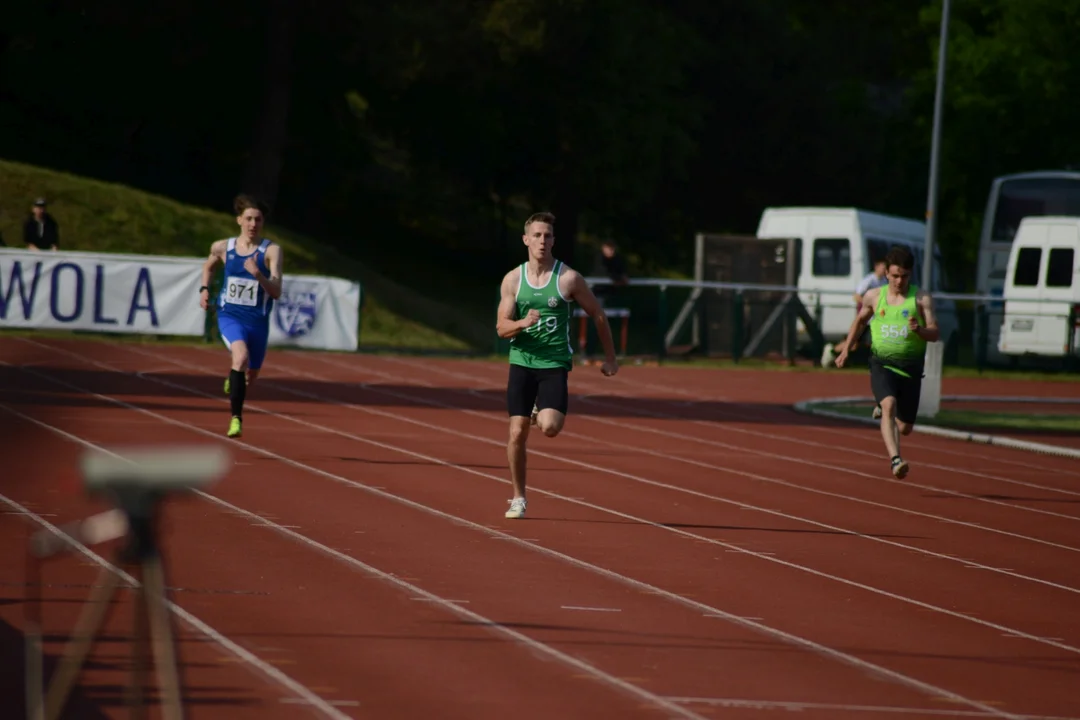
107, 292
317, 312
102, 292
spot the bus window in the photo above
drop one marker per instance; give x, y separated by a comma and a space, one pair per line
876, 250
1059, 268
1027, 267
832, 257
1022, 197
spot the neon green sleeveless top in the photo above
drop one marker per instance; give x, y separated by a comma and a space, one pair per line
547, 343
892, 341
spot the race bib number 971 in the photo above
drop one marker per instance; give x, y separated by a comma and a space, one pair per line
241, 291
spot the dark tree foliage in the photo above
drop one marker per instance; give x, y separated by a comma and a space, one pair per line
391, 129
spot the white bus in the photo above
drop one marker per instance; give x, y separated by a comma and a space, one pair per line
1013, 198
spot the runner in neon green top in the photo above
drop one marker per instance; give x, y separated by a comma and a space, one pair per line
534, 314
902, 321
893, 340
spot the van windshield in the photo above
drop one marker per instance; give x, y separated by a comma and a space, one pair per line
1026, 197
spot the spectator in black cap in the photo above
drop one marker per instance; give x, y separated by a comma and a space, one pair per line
609, 261
40, 229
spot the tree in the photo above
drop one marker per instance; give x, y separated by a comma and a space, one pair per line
1008, 103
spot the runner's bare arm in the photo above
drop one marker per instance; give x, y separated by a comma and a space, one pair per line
506, 326
579, 291
275, 261
925, 304
869, 302
217, 254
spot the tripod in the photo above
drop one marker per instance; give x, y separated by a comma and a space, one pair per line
141, 555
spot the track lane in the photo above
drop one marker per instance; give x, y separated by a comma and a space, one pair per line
400, 656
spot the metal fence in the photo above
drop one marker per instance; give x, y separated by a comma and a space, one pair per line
667, 318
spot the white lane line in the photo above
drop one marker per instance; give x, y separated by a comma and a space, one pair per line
631, 582
302, 693
759, 417
678, 531
730, 547
836, 468
704, 441
416, 593
745, 506
690, 438
839, 707
338, 703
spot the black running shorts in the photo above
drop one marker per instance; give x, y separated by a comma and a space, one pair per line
889, 383
546, 388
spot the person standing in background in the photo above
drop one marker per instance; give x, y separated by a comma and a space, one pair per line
873, 280
41, 229
609, 262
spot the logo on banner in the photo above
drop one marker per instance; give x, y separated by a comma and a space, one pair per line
295, 310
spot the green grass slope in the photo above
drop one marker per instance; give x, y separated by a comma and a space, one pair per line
105, 217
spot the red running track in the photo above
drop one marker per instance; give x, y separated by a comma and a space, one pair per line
693, 547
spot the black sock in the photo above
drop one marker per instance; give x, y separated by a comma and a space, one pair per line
237, 391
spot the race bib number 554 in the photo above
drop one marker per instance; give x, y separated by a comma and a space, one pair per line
241, 291
895, 331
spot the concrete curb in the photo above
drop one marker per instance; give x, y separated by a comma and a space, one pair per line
809, 407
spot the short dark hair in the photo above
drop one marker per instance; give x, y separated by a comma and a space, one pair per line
544, 217
245, 201
899, 256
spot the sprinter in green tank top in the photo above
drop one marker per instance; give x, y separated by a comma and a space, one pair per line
902, 321
534, 314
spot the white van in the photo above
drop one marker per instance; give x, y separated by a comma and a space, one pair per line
839, 247
1042, 289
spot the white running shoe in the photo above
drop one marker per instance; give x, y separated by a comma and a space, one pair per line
517, 508
877, 412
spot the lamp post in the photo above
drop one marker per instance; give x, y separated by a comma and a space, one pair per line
935, 145
930, 395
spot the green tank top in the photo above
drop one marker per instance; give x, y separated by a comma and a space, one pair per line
892, 341
547, 343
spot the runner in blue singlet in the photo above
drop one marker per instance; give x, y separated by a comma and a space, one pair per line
251, 283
